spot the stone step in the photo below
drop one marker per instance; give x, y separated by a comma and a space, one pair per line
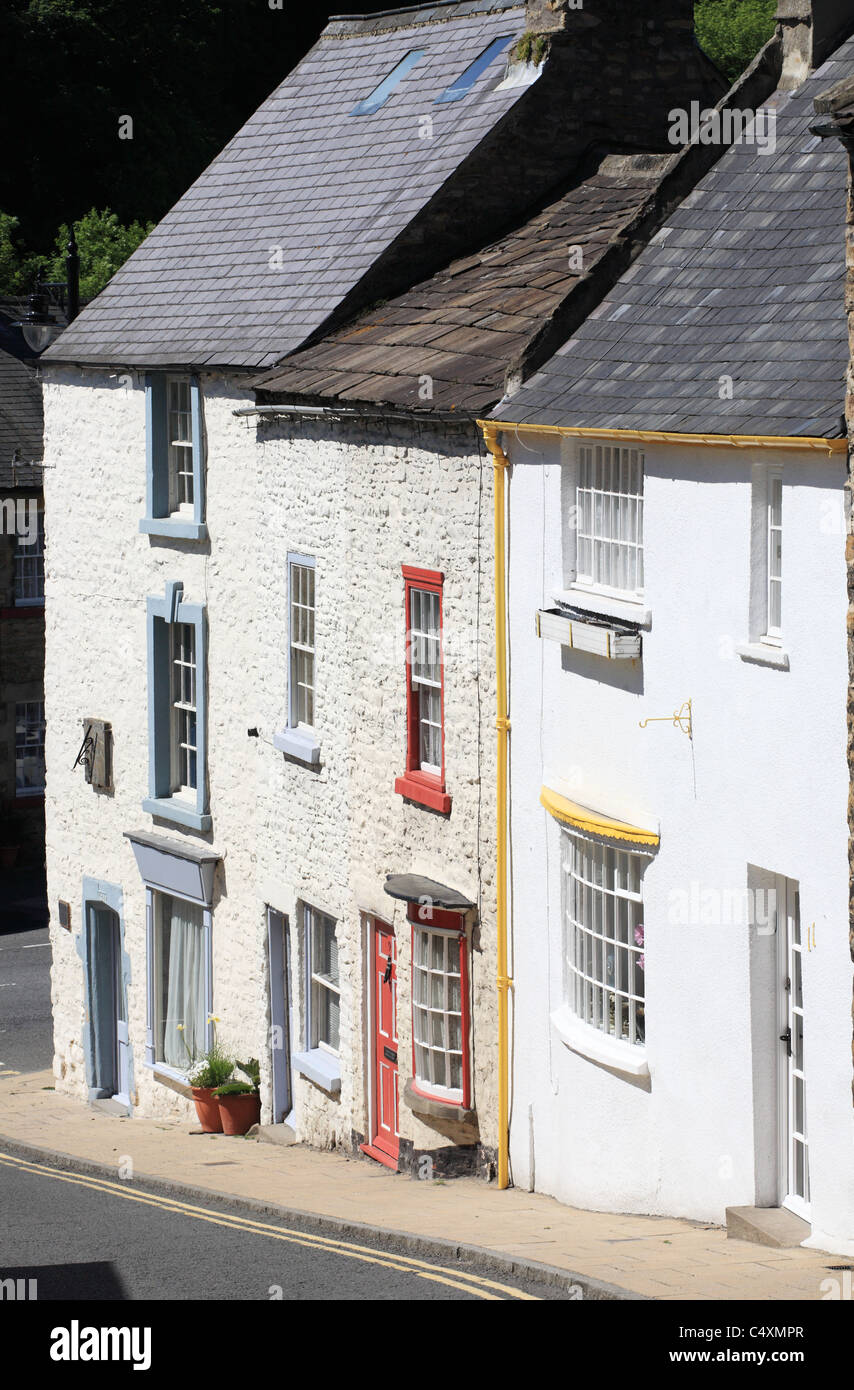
272, 1134
773, 1226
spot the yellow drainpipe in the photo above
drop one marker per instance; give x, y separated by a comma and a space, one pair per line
500, 463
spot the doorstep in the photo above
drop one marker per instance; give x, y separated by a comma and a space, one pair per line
774, 1226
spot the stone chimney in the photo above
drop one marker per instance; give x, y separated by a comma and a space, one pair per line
811, 29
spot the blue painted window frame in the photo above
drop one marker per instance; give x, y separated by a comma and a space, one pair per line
162, 613
158, 520
150, 1004
295, 739
463, 84
381, 93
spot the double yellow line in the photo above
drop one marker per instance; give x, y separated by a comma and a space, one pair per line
472, 1284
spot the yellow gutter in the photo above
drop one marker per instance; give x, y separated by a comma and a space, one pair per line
737, 441
592, 822
500, 463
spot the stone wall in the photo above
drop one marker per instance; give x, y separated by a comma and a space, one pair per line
361, 501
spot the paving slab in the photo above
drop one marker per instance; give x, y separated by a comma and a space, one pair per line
633, 1256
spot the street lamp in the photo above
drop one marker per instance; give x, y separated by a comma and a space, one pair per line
37, 325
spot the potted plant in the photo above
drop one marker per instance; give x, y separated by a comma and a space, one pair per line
212, 1071
240, 1101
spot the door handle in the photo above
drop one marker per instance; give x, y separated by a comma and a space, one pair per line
787, 1039
387, 975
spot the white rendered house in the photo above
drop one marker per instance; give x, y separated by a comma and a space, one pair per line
678, 692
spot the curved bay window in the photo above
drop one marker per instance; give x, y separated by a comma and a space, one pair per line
440, 1011
604, 960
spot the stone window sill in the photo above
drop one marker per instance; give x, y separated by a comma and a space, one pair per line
173, 529
321, 1067
298, 743
436, 1109
764, 654
414, 787
167, 808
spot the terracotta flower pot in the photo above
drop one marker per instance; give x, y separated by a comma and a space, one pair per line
239, 1112
207, 1109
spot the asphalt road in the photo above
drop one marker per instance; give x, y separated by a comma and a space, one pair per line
26, 1030
84, 1237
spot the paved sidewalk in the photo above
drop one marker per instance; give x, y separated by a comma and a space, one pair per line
646, 1257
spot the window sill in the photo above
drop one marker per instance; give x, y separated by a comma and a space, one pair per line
435, 1109
321, 1067
413, 788
764, 654
170, 1077
628, 610
590, 1043
173, 530
167, 808
298, 744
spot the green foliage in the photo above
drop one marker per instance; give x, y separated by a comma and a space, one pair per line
17, 266
215, 1068
529, 48
252, 1069
104, 245
234, 1088
732, 32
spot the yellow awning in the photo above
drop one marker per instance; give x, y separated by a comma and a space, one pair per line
592, 822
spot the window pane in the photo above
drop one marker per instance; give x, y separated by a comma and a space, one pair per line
181, 1006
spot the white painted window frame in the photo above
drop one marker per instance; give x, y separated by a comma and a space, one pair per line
183, 663
609, 517
314, 981
773, 634
585, 940
452, 944
29, 569
180, 450
34, 735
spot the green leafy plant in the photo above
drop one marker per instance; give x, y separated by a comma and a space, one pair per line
214, 1069
731, 32
234, 1088
252, 1069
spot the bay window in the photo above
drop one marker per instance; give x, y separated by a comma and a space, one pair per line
440, 1010
603, 937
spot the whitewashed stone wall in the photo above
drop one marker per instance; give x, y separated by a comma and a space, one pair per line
362, 502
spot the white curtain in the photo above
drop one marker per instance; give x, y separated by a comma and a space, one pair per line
183, 982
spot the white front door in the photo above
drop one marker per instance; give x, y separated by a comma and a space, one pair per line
794, 1150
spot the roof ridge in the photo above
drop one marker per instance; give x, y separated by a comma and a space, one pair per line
345, 25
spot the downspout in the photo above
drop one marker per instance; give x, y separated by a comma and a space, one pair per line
500, 464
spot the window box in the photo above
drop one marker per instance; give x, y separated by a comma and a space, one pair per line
423, 780
586, 633
175, 473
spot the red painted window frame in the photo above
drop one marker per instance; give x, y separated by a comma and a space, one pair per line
438, 919
423, 787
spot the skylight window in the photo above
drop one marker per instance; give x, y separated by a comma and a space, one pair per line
380, 95
467, 79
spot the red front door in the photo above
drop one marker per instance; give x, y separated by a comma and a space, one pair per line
385, 1140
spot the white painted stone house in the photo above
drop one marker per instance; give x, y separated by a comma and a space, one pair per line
287, 831
678, 692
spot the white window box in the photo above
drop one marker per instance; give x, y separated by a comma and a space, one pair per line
764, 654
583, 633
625, 610
589, 1042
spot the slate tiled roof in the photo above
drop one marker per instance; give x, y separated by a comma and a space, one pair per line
466, 325
332, 190
745, 280
21, 423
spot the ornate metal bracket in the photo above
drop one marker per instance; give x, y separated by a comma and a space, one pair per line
680, 719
